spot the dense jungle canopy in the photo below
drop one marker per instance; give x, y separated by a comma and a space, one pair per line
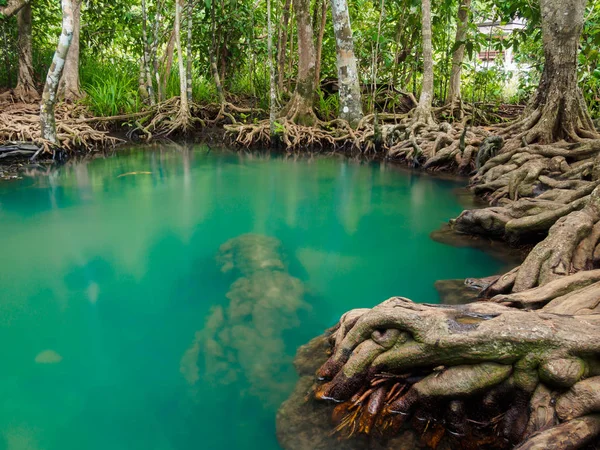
125, 55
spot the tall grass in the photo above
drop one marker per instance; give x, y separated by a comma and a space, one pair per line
327, 106
111, 88
243, 84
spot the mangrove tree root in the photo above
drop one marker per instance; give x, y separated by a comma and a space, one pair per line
403, 362
572, 245
20, 122
264, 303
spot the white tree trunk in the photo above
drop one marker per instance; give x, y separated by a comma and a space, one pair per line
47, 119
69, 88
350, 98
189, 86
273, 91
184, 104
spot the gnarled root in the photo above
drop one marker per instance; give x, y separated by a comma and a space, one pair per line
572, 245
20, 122
401, 360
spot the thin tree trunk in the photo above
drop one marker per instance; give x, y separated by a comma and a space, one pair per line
168, 62
282, 46
7, 50
25, 90
462, 25
47, 119
300, 107
146, 50
213, 57
273, 91
319, 46
181, 59
142, 87
558, 110
350, 97
292, 55
154, 51
189, 86
69, 88
423, 110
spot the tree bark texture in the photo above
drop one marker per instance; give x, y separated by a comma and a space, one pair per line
282, 45
557, 110
189, 85
423, 111
300, 107
184, 106
70, 88
47, 119
349, 83
146, 55
319, 46
25, 90
272, 87
458, 56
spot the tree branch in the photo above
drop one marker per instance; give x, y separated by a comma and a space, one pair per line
12, 7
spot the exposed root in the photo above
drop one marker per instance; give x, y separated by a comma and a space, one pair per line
477, 373
20, 122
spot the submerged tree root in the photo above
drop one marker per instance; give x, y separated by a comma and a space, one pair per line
478, 375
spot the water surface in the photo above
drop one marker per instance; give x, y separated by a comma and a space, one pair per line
119, 329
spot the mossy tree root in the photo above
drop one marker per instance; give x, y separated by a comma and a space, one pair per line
455, 367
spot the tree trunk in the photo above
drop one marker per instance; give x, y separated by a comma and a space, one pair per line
282, 46
462, 25
168, 63
146, 50
300, 107
47, 119
213, 57
350, 99
189, 86
319, 45
69, 88
12, 7
154, 52
25, 90
184, 111
273, 91
423, 111
558, 110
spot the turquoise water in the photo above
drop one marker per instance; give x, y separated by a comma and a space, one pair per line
119, 328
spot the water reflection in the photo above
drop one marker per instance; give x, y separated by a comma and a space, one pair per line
117, 276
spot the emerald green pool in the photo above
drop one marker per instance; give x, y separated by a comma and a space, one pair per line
111, 331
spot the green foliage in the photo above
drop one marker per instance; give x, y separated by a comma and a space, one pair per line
387, 45
244, 84
204, 90
327, 106
111, 89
